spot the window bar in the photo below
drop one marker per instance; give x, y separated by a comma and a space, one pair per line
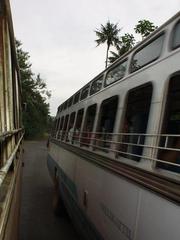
166, 142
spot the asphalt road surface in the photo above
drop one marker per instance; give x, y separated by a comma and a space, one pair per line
37, 221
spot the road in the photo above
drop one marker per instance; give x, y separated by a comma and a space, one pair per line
37, 220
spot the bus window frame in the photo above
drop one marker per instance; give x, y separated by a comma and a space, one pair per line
72, 125
76, 129
85, 125
65, 125
164, 115
100, 114
119, 63
65, 105
124, 114
70, 101
85, 87
96, 79
162, 33
76, 94
171, 48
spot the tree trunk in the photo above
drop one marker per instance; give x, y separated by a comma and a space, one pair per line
107, 56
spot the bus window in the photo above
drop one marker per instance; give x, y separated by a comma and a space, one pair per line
147, 54
88, 125
61, 107
77, 127
85, 92
116, 73
65, 127
76, 98
70, 102
171, 126
96, 85
60, 128
176, 36
106, 121
65, 105
70, 129
135, 122
57, 127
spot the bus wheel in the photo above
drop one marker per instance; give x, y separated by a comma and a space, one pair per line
57, 203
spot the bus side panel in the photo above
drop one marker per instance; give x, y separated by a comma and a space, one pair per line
108, 197
106, 206
65, 163
158, 218
112, 202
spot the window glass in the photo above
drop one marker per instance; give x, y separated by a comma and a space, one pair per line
135, 122
96, 85
76, 98
77, 127
61, 107
147, 54
171, 126
107, 118
70, 129
70, 101
54, 128
65, 105
88, 125
176, 36
64, 132
59, 136
116, 73
57, 125
85, 92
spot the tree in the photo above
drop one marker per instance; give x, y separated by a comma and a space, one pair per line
108, 34
145, 27
126, 43
34, 95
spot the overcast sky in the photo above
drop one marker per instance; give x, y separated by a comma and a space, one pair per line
59, 35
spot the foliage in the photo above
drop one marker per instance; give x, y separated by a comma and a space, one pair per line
126, 43
34, 96
144, 27
108, 34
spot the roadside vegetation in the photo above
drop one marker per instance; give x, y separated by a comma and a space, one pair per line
36, 119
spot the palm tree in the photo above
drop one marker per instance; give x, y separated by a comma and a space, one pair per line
108, 34
126, 43
145, 27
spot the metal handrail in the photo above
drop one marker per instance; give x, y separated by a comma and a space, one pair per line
4, 170
131, 134
9, 133
78, 140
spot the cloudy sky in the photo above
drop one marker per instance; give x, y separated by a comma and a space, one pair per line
59, 35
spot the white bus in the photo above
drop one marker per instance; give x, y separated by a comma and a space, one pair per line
114, 153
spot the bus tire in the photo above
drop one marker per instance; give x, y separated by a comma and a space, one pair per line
57, 203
